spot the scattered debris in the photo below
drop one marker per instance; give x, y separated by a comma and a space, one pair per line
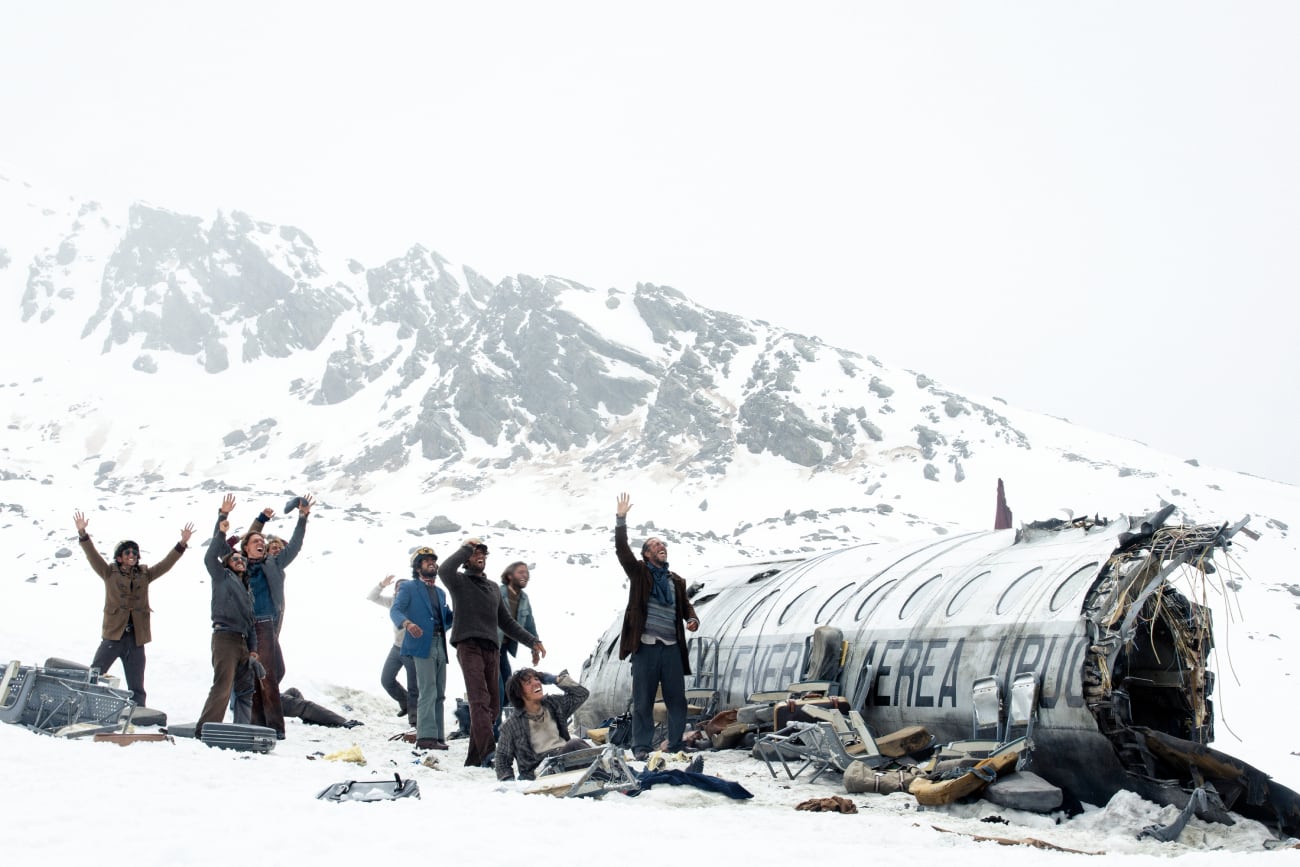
833, 804
1012, 841
351, 754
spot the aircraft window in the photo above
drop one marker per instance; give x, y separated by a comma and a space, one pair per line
873, 599
963, 595
1071, 586
1012, 595
793, 606
708, 597
761, 606
827, 612
761, 576
918, 596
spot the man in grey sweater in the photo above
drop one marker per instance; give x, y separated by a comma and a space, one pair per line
480, 612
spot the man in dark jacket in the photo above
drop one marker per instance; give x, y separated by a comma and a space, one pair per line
234, 632
266, 580
652, 635
480, 612
420, 609
540, 727
126, 628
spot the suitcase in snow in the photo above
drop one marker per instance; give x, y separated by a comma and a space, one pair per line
236, 736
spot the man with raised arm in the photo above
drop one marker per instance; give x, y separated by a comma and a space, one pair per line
125, 629
408, 698
653, 634
480, 612
265, 575
234, 629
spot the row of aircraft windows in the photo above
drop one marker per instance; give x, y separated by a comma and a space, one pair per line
835, 604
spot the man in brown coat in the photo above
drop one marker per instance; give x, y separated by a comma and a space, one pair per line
653, 635
126, 602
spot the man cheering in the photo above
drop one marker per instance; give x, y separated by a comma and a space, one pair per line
480, 612
652, 635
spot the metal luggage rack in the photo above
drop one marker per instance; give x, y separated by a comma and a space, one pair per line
49, 699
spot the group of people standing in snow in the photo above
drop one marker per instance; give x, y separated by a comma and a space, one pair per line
247, 611
484, 622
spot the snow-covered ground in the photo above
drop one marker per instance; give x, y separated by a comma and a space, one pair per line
185, 803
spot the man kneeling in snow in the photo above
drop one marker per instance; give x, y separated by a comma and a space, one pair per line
539, 727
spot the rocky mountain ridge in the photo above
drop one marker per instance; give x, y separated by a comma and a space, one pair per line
427, 373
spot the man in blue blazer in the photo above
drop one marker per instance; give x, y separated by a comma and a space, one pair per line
420, 609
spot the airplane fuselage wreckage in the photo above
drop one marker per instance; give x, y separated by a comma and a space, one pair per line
1086, 607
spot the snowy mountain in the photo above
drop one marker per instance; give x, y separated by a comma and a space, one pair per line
345, 376
157, 360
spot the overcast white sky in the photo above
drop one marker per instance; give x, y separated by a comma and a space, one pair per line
1091, 210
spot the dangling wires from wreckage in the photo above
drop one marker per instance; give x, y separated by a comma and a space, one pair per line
1146, 675
1149, 644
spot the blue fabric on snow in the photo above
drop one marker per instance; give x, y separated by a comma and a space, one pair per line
676, 777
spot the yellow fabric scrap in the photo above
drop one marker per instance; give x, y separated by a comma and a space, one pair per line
351, 754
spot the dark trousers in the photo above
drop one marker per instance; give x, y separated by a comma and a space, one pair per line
654, 665
407, 699
480, 666
308, 711
266, 709
230, 668
132, 656
501, 691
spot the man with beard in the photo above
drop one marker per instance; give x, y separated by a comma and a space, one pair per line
234, 633
652, 635
480, 612
420, 608
125, 629
266, 579
513, 581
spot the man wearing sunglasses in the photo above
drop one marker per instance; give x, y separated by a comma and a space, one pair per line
126, 625
234, 627
480, 612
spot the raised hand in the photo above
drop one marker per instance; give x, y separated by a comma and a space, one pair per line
186, 532
388, 579
80, 520
268, 513
228, 503
305, 504
224, 527
624, 504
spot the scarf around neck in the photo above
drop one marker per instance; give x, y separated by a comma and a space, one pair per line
662, 591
